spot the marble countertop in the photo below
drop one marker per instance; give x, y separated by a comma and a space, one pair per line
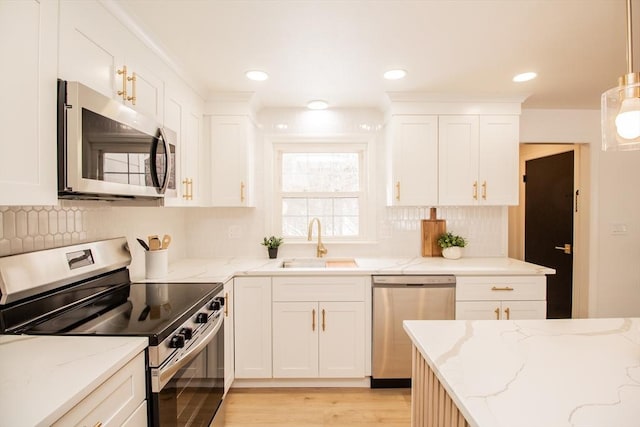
532, 373
43, 377
221, 270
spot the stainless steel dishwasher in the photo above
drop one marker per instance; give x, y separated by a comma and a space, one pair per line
398, 298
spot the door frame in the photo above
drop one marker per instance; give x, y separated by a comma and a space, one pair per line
580, 285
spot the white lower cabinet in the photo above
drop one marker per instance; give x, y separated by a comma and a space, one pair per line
229, 365
501, 297
252, 327
120, 400
315, 338
500, 310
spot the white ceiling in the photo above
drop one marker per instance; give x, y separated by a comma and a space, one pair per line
337, 50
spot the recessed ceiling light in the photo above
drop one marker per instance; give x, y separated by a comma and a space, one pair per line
317, 104
256, 75
525, 77
395, 74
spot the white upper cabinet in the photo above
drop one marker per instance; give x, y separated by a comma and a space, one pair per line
458, 154
413, 146
499, 159
231, 161
100, 52
28, 46
185, 119
478, 160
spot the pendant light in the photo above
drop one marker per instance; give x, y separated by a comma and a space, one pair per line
621, 105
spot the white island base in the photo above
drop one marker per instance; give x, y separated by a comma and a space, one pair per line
526, 373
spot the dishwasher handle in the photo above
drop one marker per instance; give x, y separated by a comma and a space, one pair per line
414, 281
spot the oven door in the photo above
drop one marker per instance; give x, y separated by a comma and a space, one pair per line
188, 391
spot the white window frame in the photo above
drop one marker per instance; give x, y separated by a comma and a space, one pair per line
365, 149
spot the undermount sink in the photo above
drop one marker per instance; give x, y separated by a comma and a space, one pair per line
319, 263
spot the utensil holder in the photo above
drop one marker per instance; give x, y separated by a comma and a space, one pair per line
156, 263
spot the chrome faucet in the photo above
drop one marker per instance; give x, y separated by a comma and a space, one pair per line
321, 251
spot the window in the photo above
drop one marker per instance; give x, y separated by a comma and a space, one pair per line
326, 181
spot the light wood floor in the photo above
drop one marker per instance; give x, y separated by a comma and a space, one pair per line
315, 407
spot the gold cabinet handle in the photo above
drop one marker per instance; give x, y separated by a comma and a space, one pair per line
123, 73
566, 248
507, 311
242, 186
323, 320
313, 319
484, 190
398, 190
475, 190
188, 187
98, 424
505, 288
497, 312
226, 304
133, 80
185, 194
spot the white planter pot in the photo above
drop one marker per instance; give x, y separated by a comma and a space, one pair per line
454, 252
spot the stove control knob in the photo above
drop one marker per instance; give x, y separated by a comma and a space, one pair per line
177, 341
220, 300
202, 318
215, 305
187, 333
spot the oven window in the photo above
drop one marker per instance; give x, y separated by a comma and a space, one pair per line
194, 394
115, 152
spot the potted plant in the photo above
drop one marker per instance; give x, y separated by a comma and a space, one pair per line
451, 245
272, 244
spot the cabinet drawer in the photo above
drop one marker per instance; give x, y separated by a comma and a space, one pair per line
309, 288
114, 401
503, 288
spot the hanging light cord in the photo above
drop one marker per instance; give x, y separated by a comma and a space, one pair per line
629, 39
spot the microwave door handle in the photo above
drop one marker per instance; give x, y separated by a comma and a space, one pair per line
167, 155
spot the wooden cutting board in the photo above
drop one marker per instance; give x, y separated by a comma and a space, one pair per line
432, 228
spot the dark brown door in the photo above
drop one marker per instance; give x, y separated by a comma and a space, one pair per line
549, 226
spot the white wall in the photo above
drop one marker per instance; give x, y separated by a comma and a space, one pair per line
614, 270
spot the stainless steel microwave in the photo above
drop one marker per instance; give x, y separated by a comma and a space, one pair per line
108, 151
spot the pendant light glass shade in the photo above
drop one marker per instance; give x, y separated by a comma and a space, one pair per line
620, 106
621, 116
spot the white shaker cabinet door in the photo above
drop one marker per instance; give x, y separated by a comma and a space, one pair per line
229, 353
295, 339
91, 47
499, 160
231, 161
28, 46
341, 339
458, 154
252, 324
414, 161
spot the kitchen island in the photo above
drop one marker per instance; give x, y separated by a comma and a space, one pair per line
554, 373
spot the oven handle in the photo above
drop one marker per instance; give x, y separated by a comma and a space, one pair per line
165, 374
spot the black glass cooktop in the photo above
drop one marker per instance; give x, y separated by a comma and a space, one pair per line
105, 306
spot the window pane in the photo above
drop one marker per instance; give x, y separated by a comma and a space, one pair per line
346, 226
346, 206
320, 207
320, 172
293, 207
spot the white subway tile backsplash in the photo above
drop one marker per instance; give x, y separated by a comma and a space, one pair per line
43, 222
32, 223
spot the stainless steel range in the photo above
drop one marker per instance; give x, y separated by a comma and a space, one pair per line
85, 289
